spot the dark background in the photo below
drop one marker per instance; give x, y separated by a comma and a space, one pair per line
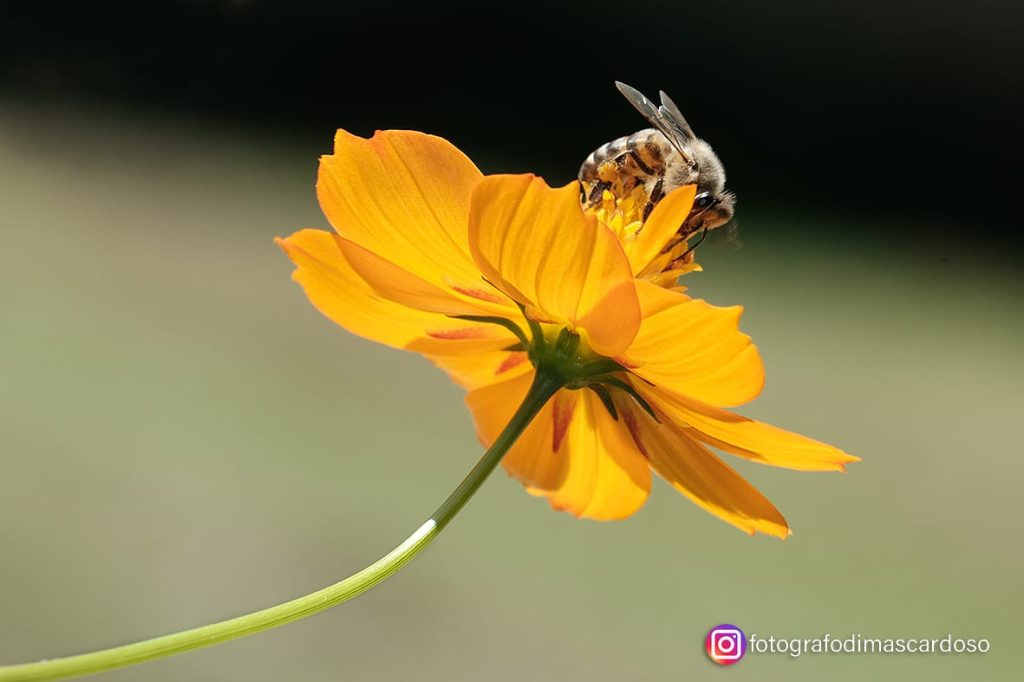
908, 111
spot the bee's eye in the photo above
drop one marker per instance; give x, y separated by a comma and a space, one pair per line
703, 200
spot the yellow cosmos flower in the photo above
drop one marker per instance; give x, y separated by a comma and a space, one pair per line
430, 255
587, 365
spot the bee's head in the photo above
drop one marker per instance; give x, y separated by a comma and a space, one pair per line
713, 206
710, 211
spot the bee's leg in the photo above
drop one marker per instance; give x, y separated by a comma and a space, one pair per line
657, 193
700, 238
595, 194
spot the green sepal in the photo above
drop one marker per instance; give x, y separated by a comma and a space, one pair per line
501, 321
606, 398
619, 383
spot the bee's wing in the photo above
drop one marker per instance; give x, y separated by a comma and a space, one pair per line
671, 112
665, 118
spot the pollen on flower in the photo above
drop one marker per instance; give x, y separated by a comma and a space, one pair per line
623, 213
671, 264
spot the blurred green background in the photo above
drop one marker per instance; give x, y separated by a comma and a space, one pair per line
185, 438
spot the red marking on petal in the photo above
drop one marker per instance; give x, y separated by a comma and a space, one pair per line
626, 362
464, 333
479, 294
562, 408
514, 359
629, 417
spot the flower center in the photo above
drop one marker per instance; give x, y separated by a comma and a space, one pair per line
623, 214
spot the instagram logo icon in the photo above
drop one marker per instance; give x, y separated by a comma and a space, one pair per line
725, 644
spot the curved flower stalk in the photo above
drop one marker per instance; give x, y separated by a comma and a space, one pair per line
587, 366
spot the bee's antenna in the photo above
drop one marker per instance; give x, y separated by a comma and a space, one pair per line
700, 239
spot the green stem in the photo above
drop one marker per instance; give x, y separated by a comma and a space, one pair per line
544, 386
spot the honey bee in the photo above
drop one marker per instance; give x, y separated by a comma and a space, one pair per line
658, 160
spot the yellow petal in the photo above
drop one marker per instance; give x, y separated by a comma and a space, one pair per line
405, 196
597, 472
695, 349
401, 286
709, 482
606, 477
747, 438
535, 244
477, 370
337, 291
530, 458
661, 227
563, 409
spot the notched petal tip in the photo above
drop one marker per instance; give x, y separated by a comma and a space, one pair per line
750, 439
710, 483
847, 458
692, 348
404, 194
289, 244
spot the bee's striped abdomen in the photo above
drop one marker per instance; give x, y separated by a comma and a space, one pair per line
623, 164
609, 151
